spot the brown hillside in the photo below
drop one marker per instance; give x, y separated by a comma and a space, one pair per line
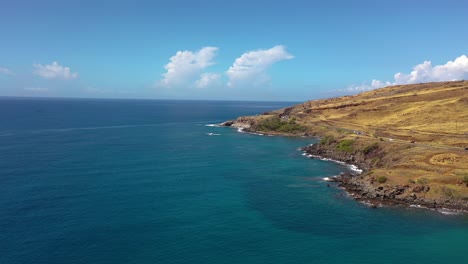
431, 112
414, 136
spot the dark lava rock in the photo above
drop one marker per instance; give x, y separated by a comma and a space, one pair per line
227, 123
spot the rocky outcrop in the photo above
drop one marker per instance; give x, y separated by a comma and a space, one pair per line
366, 188
241, 122
227, 123
424, 165
358, 158
367, 156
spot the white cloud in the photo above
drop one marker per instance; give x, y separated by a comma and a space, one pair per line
424, 72
54, 71
208, 79
375, 84
251, 67
185, 67
6, 71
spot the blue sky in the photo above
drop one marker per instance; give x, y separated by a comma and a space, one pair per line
241, 50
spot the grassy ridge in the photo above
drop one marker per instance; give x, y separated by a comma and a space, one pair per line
420, 132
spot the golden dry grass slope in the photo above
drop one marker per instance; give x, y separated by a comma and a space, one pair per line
421, 128
430, 112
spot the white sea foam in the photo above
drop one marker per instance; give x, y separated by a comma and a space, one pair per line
449, 211
329, 179
213, 134
350, 166
212, 125
332, 160
373, 205
444, 211
355, 168
258, 134
242, 130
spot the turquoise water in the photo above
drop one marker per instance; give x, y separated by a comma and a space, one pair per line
141, 181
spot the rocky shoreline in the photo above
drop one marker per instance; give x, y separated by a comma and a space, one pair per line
363, 187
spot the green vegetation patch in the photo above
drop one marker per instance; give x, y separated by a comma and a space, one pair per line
343, 131
277, 124
381, 179
422, 181
345, 145
447, 191
368, 149
327, 140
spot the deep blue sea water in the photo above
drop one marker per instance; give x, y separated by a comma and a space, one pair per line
143, 181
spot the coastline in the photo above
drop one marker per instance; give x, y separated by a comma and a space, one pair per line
360, 185
368, 190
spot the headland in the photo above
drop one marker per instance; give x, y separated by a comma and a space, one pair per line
411, 141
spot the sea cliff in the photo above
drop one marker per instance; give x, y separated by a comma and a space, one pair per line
375, 191
391, 134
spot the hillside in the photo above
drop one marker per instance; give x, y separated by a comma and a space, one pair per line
409, 138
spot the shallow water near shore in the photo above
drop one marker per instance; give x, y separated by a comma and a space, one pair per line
147, 181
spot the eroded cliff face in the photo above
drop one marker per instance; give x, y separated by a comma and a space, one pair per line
364, 160
366, 189
409, 140
246, 123
376, 191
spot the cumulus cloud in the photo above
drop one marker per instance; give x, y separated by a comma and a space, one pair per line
375, 84
6, 71
54, 71
185, 67
424, 72
208, 79
251, 67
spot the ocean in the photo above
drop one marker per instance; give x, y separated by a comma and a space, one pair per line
152, 181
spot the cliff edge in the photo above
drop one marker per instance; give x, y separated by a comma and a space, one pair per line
410, 140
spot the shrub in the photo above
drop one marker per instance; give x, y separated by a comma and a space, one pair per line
345, 145
291, 127
447, 191
370, 148
277, 124
465, 180
327, 140
343, 131
422, 181
382, 179
271, 123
